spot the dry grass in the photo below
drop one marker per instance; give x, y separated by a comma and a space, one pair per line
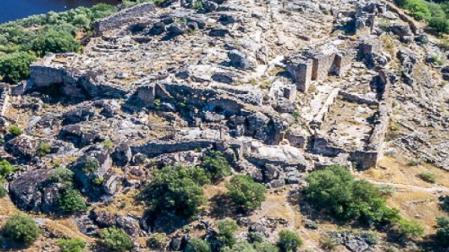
415, 198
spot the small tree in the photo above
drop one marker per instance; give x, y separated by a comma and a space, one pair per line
175, 189
21, 229
71, 245
216, 165
226, 232
158, 241
442, 235
265, 247
408, 229
197, 245
116, 240
246, 193
71, 201
6, 168
289, 241
43, 149
241, 246
55, 42
15, 67
15, 130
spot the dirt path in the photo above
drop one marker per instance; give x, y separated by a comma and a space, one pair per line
436, 189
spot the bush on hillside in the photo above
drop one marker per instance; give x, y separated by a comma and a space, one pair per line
334, 190
216, 165
116, 240
71, 245
289, 241
175, 190
197, 245
246, 193
408, 229
21, 229
14, 67
6, 168
71, 201
53, 41
442, 235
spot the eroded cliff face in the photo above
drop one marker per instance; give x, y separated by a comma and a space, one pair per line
280, 87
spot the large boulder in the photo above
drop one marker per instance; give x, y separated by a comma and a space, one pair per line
22, 146
37, 190
94, 175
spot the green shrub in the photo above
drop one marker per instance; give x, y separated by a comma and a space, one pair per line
197, 245
71, 245
175, 189
21, 229
428, 177
116, 239
6, 168
418, 9
217, 165
55, 42
265, 247
246, 193
71, 202
241, 246
226, 232
408, 229
62, 175
289, 241
158, 241
439, 24
15, 130
43, 149
334, 190
442, 235
3, 191
444, 203
14, 67
328, 243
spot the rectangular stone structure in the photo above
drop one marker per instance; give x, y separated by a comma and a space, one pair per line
301, 69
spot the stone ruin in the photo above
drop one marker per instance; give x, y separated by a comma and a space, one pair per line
276, 105
317, 64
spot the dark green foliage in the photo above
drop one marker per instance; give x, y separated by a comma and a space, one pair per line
216, 165
116, 239
246, 193
53, 32
43, 149
71, 201
444, 203
289, 241
177, 190
55, 42
197, 245
91, 165
71, 245
226, 233
21, 229
14, 67
5, 168
439, 24
442, 235
418, 8
334, 190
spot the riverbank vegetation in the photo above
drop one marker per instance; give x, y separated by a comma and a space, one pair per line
23, 41
434, 13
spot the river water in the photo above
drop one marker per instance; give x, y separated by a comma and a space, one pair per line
16, 9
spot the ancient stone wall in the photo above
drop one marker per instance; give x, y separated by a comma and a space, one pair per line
122, 17
4, 98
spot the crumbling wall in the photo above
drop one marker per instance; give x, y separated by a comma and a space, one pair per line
71, 82
122, 17
4, 98
156, 148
